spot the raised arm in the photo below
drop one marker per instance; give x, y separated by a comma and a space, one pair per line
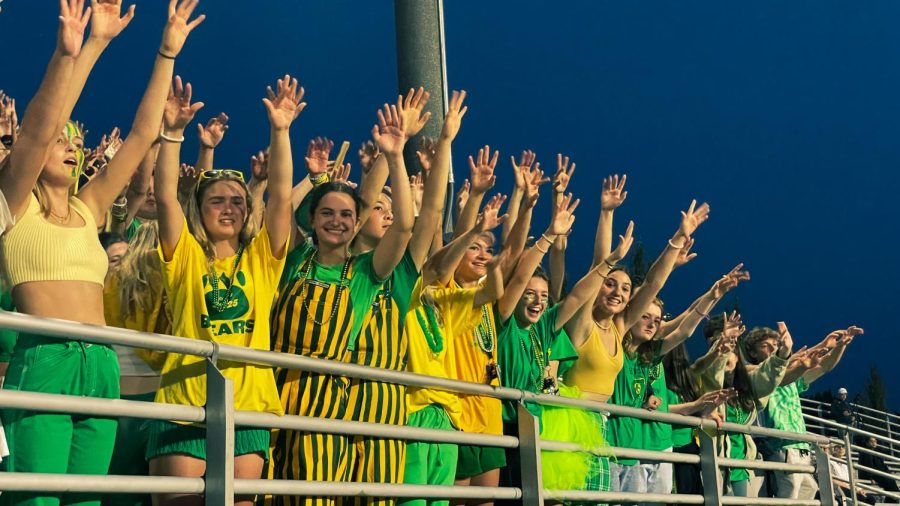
43, 121
99, 195
531, 259
659, 272
706, 403
440, 266
138, 190
518, 236
179, 111
519, 172
701, 308
210, 136
390, 136
481, 180
259, 181
283, 106
831, 359
612, 195
587, 287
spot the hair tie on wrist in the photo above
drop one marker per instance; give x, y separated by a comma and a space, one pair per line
319, 179
611, 266
167, 138
164, 55
675, 246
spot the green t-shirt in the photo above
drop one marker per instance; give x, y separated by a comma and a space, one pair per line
132, 229
363, 285
631, 390
8, 337
783, 413
681, 435
516, 356
736, 414
657, 436
399, 286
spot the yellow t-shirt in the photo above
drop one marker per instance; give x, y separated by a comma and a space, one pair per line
158, 320
456, 315
244, 322
483, 415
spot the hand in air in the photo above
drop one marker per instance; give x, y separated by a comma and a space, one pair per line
482, 171
625, 242
107, 22
73, 20
730, 280
455, 112
565, 216
259, 166
178, 27
613, 193
212, 134
534, 178
317, 155
179, 109
490, 217
390, 134
411, 107
285, 103
523, 167
563, 173
692, 219
462, 196
426, 153
368, 152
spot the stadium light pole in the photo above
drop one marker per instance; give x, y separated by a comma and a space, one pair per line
421, 61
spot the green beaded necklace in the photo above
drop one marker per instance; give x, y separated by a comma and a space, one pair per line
220, 304
431, 329
340, 289
538, 382
484, 332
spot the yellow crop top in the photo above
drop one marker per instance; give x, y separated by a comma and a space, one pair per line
37, 250
595, 370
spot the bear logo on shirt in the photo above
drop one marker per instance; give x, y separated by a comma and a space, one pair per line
227, 321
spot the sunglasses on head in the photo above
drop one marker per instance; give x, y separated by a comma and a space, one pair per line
221, 174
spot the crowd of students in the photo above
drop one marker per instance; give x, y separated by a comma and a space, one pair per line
355, 273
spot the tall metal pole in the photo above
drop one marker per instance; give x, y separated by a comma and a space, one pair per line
421, 61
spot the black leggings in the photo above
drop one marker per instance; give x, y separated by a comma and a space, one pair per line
687, 476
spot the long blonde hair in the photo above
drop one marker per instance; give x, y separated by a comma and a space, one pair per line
140, 275
191, 207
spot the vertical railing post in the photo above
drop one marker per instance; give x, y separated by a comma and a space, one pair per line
890, 433
709, 470
530, 458
849, 456
219, 437
823, 477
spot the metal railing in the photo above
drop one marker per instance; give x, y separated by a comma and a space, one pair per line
219, 417
887, 424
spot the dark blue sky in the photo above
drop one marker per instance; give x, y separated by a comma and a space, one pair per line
783, 115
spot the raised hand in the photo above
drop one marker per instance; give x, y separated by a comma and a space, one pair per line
693, 218
187, 179
107, 22
490, 217
9, 121
526, 160
455, 112
565, 216
284, 106
711, 400
563, 173
368, 152
411, 109
725, 344
390, 132
533, 181
462, 196
179, 109
340, 174
613, 193
625, 242
317, 155
259, 166
483, 178
684, 254
73, 19
730, 280
810, 358
417, 188
733, 325
212, 134
426, 152
178, 27
785, 341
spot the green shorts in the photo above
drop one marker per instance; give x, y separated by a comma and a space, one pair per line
475, 460
167, 438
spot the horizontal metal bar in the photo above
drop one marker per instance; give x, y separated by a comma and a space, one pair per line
878, 490
622, 453
112, 484
65, 329
863, 449
94, 406
856, 406
876, 472
852, 430
621, 497
765, 501
353, 489
770, 466
311, 424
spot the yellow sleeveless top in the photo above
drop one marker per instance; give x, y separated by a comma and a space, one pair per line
595, 370
37, 250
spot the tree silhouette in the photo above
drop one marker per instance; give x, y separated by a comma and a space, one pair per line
638, 269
